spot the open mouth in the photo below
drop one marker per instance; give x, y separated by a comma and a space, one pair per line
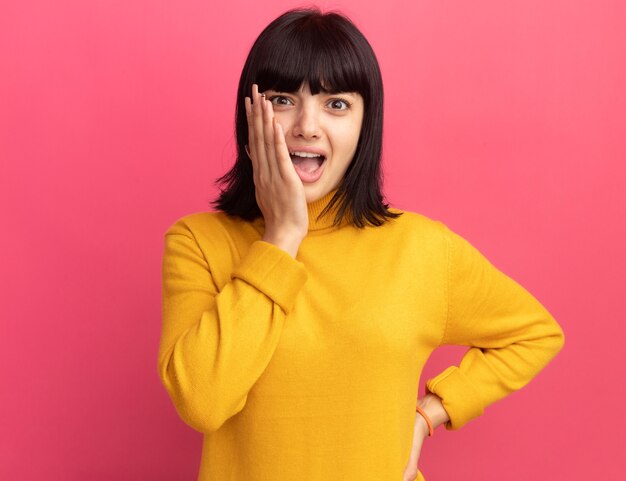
308, 165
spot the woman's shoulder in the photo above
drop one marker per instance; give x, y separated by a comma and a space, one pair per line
409, 219
415, 229
208, 225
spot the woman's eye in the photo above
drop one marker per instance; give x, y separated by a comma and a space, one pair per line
281, 100
337, 103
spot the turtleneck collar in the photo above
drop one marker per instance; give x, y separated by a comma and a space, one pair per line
315, 208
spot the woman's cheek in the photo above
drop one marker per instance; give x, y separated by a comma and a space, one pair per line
284, 123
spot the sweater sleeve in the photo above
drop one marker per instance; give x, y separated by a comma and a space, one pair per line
511, 335
215, 345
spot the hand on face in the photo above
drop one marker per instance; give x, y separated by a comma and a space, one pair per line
278, 189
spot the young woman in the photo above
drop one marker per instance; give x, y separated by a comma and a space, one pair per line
298, 316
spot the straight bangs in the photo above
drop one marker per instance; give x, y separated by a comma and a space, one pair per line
324, 58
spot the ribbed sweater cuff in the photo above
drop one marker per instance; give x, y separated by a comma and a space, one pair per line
459, 397
272, 271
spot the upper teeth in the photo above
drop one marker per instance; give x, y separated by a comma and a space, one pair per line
305, 154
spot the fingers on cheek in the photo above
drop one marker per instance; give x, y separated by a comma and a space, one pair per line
248, 106
276, 129
279, 130
257, 112
269, 126
258, 125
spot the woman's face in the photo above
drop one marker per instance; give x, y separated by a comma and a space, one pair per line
326, 124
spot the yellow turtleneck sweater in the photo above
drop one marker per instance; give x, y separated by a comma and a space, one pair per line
308, 368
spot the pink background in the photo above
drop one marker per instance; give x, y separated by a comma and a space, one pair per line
506, 120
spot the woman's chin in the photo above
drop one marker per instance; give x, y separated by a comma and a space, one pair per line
313, 192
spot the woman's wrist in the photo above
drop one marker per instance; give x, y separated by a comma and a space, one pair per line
287, 243
433, 407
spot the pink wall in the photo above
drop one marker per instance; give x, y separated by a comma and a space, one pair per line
506, 120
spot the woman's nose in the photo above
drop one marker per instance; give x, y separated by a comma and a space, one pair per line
307, 123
